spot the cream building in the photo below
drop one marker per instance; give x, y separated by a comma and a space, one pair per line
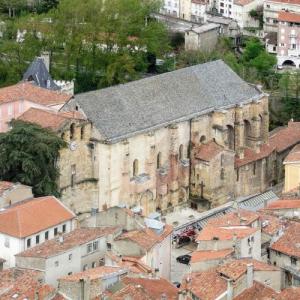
144, 134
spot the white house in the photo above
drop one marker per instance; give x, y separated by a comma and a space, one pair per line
77, 251
32, 222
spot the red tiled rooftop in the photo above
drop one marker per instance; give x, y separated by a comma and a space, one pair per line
257, 291
30, 92
251, 156
242, 2
32, 216
146, 238
73, 239
296, 2
294, 155
289, 17
236, 218
208, 151
24, 283
210, 233
291, 293
284, 204
285, 137
49, 119
132, 292
289, 242
94, 273
236, 268
206, 285
154, 287
269, 224
204, 255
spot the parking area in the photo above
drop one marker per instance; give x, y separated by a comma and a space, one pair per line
178, 269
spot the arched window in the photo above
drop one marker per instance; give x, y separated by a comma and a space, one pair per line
158, 160
230, 137
202, 139
82, 130
247, 133
135, 168
181, 152
72, 131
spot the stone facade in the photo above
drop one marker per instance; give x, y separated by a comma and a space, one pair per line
77, 164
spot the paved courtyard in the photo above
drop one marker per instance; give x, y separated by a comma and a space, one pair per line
177, 269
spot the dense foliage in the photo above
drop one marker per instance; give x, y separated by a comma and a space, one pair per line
28, 154
97, 43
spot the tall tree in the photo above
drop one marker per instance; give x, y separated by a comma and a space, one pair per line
28, 154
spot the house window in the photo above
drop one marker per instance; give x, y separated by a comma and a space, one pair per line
93, 264
64, 227
73, 175
95, 245
135, 168
89, 248
46, 235
28, 243
10, 109
55, 231
293, 261
6, 242
252, 239
85, 267
250, 251
70, 273
70, 256
56, 263
37, 239
254, 168
181, 152
222, 174
237, 174
108, 246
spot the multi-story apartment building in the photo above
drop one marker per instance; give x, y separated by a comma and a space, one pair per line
273, 7
288, 39
171, 7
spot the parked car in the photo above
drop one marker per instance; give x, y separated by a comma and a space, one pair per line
182, 240
184, 259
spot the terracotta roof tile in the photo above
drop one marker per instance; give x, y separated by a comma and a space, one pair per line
49, 119
132, 292
208, 151
207, 285
23, 283
32, 216
258, 291
94, 273
146, 238
289, 17
204, 255
286, 1
242, 2
236, 218
291, 293
210, 233
251, 156
154, 287
285, 137
236, 268
30, 92
270, 224
70, 240
294, 154
289, 243
284, 204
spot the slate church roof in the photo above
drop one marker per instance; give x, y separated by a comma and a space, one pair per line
38, 73
122, 111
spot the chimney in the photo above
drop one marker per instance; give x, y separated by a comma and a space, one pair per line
229, 289
249, 275
46, 58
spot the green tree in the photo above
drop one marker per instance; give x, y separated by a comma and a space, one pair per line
28, 154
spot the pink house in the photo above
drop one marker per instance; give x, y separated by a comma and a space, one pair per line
16, 99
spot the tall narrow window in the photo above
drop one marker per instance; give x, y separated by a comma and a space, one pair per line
72, 131
158, 160
237, 174
73, 175
181, 152
135, 167
254, 168
82, 132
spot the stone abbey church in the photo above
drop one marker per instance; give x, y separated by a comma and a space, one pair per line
197, 136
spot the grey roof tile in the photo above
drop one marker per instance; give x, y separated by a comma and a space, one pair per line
122, 111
